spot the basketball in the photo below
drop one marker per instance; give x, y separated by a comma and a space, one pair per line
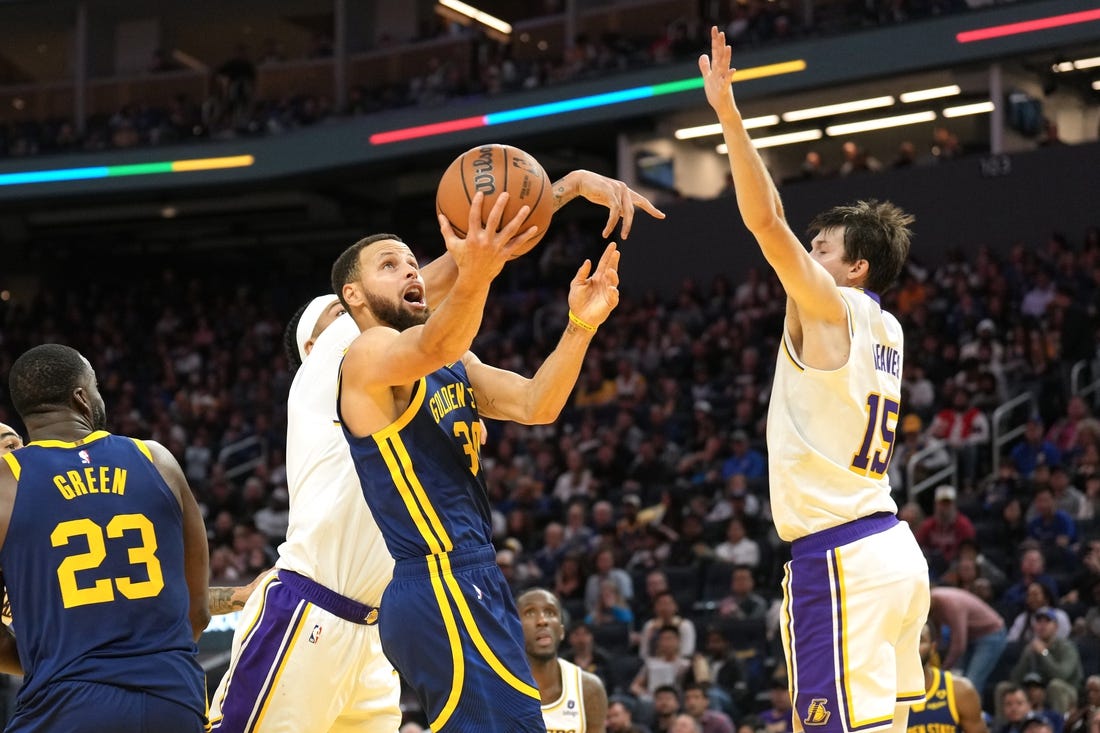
492, 168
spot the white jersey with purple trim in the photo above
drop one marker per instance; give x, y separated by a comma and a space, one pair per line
332, 537
831, 433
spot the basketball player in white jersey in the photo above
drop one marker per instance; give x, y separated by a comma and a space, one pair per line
306, 655
856, 589
573, 701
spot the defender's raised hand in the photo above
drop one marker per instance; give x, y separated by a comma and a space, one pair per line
717, 73
593, 297
619, 198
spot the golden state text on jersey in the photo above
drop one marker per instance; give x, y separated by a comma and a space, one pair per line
422, 475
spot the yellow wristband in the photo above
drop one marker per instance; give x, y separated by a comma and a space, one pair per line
581, 324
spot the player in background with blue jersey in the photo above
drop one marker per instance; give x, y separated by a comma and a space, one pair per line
104, 553
856, 589
951, 703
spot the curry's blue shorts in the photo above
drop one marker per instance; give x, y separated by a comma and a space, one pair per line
449, 625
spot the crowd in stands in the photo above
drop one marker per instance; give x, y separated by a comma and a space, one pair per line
234, 104
645, 506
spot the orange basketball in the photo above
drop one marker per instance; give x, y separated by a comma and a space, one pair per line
492, 168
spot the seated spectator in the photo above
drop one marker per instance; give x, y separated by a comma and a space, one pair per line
273, 519
738, 548
1067, 497
606, 570
1083, 587
743, 601
594, 389
654, 550
578, 535
1037, 722
743, 458
629, 530
620, 718
575, 480
666, 706
1013, 708
719, 668
666, 613
1063, 432
550, 555
1080, 719
1032, 568
697, 705
1056, 661
508, 562
1038, 598
1052, 528
1033, 449
610, 606
583, 651
964, 428
778, 717
972, 565
1036, 693
690, 547
940, 534
665, 668
569, 580
735, 501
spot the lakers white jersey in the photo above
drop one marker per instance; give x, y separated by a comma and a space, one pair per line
332, 537
831, 433
566, 714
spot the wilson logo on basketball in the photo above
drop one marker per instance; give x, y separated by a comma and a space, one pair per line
817, 714
484, 180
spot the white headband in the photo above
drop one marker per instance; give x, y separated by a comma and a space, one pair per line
308, 321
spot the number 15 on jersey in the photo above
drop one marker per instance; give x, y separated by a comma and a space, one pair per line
873, 457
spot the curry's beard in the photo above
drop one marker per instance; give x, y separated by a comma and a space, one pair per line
393, 315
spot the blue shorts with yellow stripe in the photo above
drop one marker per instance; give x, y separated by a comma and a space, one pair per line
449, 625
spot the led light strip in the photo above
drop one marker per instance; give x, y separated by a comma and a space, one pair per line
749, 123
115, 171
881, 123
1027, 26
578, 103
480, 16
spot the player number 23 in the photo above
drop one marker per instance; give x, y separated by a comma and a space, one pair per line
103, 590
873, 457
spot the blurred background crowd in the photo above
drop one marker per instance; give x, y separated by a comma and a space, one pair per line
645, 507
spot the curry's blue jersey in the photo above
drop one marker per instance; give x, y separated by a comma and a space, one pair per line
421, 474
94, 565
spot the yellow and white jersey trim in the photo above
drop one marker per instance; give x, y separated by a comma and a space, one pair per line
566, 714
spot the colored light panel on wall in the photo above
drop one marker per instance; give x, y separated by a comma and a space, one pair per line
577, 103
1027, 26
115, 171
